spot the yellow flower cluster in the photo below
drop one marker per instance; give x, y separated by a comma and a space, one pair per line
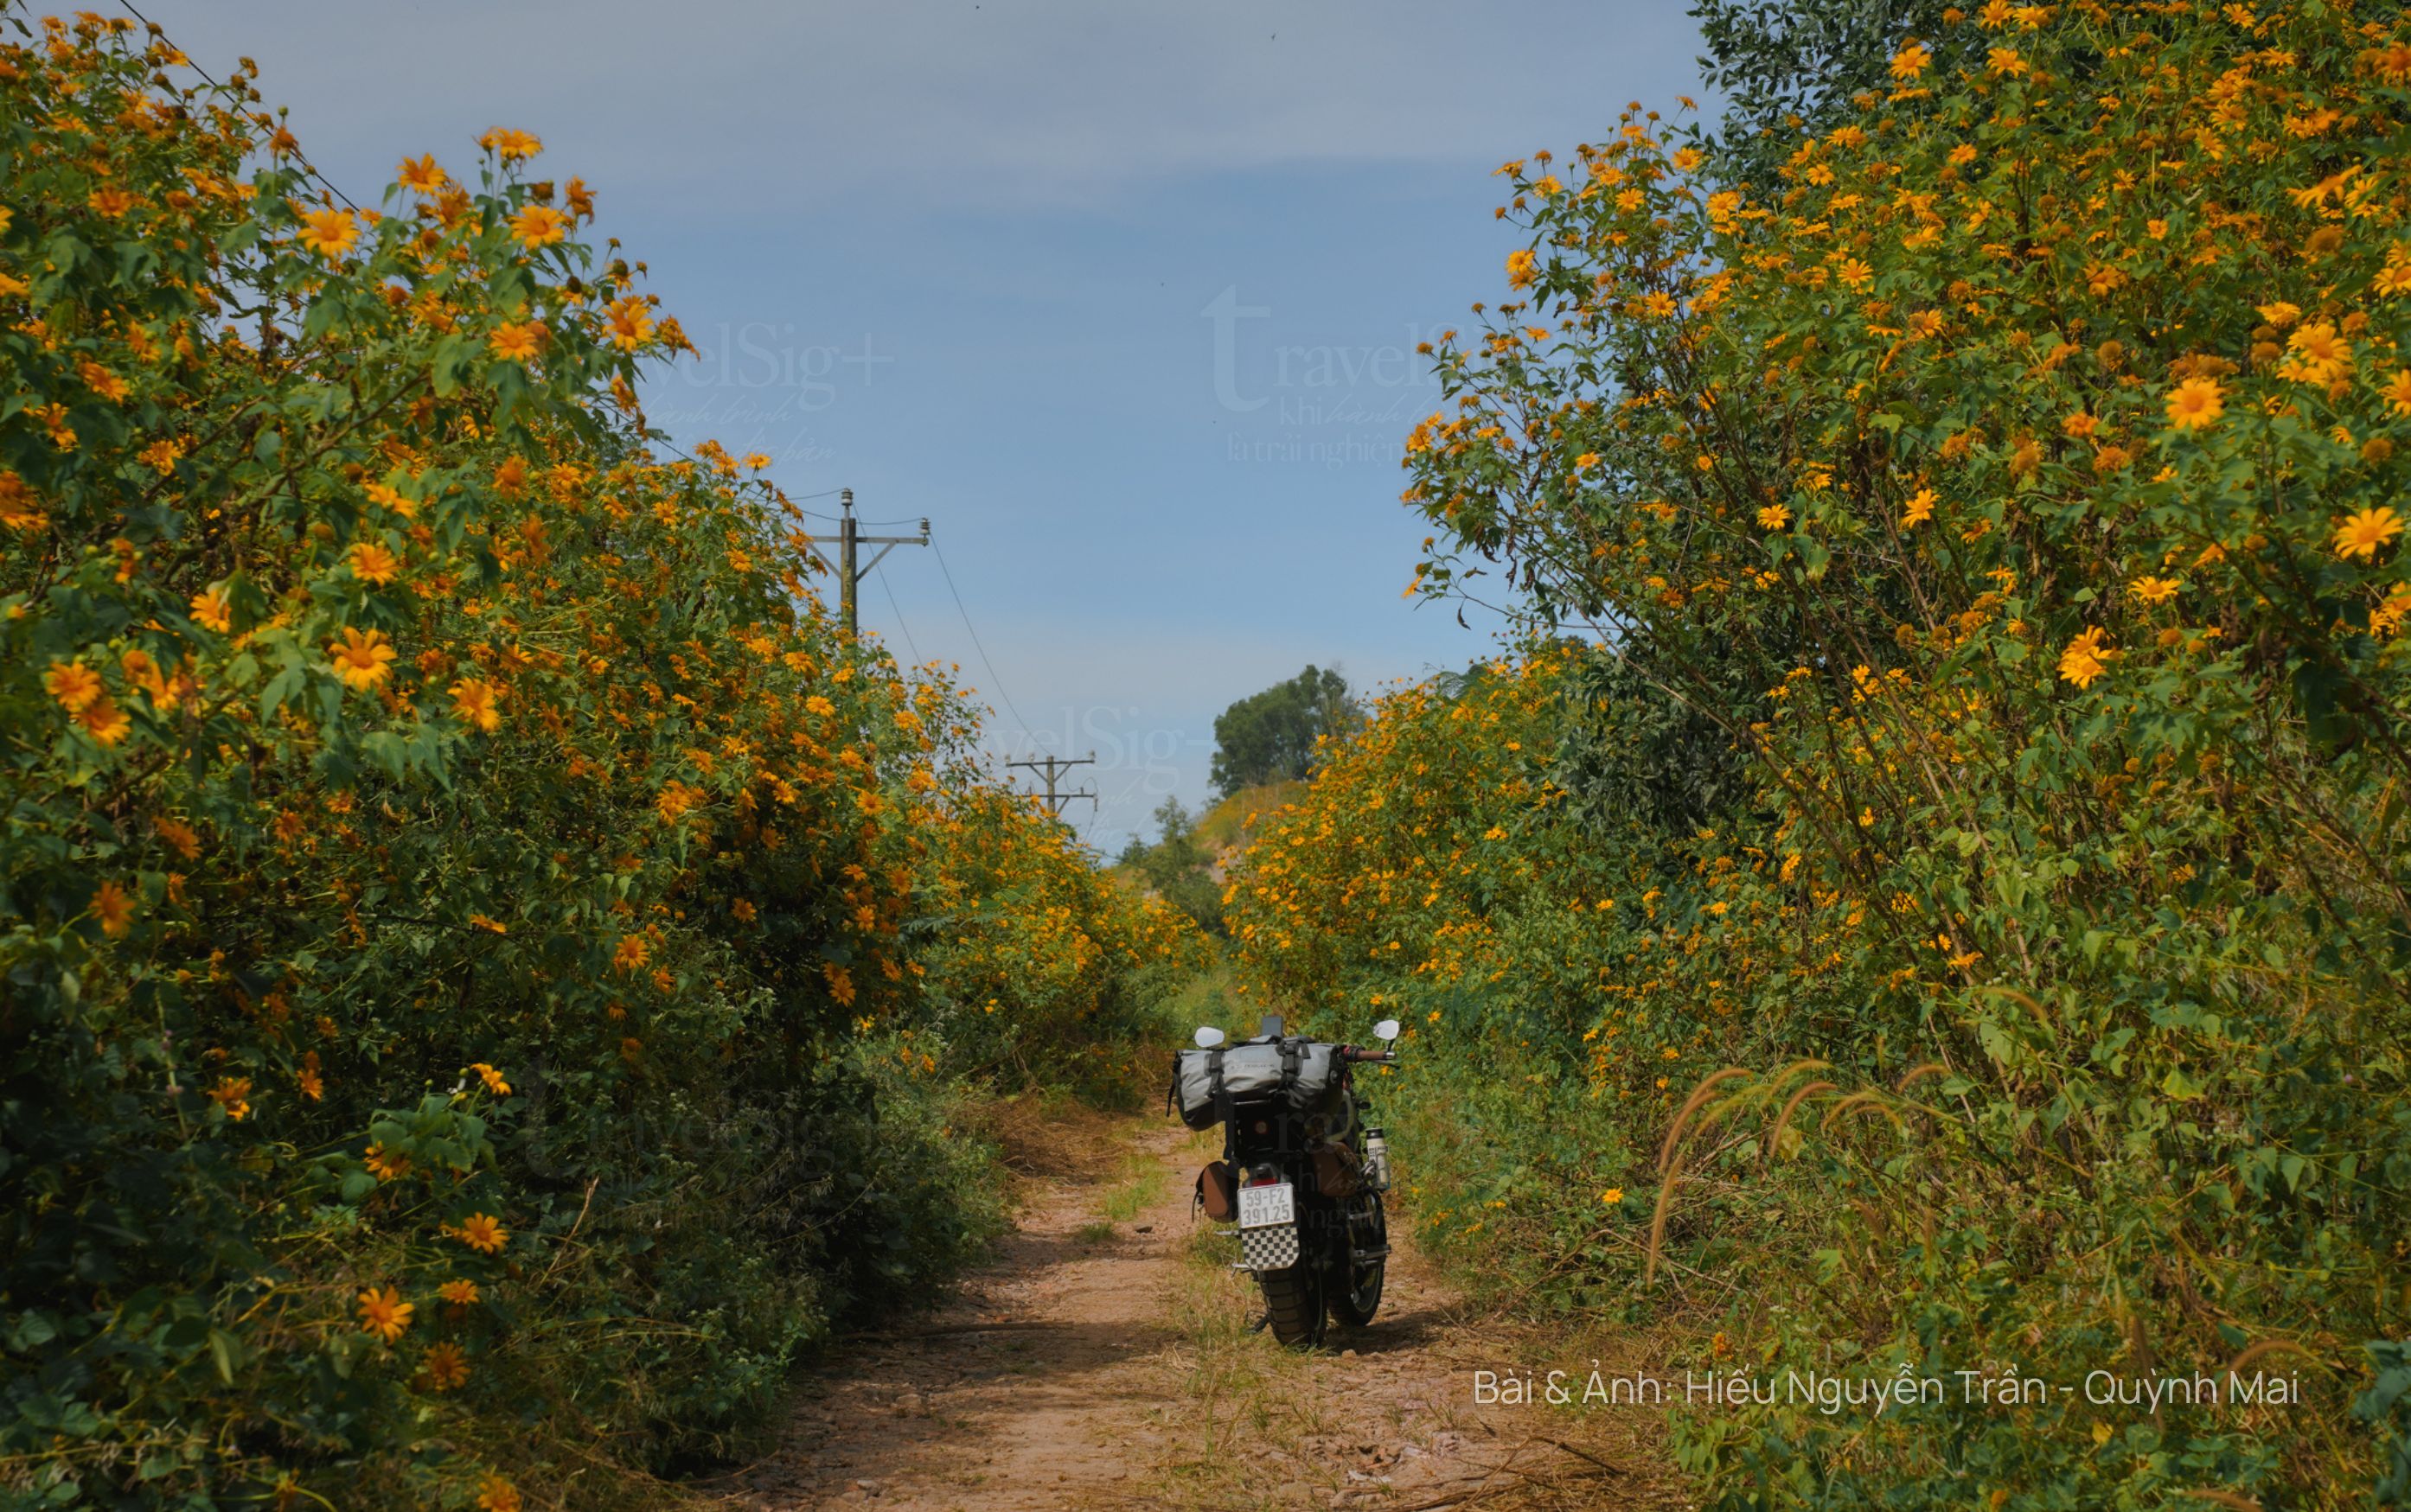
444, 720
1996, 502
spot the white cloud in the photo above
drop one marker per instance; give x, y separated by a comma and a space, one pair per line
804, 106
1050, 400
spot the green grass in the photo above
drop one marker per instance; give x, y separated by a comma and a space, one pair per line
1138, 1185
1137, 1191
1211, 997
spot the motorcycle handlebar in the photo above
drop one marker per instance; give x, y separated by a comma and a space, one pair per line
1379, 1057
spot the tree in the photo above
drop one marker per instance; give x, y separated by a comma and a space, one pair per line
368, 961
1635, 754
2011, 478
1175, 852
1176, 865
1788, 67
1270, 735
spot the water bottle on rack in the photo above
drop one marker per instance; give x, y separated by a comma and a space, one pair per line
1377, 1161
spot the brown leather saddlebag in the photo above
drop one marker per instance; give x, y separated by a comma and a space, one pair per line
1214, 1189
1337, 1170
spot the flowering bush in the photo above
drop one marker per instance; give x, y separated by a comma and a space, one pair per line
1434, 871
458, 888
2008, 484
1034, 954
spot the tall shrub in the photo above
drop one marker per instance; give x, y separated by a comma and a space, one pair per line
2012, 482
459, 892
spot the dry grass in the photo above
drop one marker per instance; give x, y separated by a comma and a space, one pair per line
1241, 1401
1384, 1420
1050, 1135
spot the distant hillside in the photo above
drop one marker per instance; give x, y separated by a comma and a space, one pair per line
1185, 865
1226, 824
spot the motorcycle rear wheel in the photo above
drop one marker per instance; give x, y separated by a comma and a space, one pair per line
1294, 1298
1354, 1304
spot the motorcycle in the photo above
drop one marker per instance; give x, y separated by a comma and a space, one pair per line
1301, 1173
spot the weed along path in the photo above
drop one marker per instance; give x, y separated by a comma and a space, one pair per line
1102, 1359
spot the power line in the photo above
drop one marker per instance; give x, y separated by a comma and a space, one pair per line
996, 681
1053, 768
849, 566
866, 524
889, 589
299, 156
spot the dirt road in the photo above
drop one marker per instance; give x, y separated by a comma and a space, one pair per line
1103, 1360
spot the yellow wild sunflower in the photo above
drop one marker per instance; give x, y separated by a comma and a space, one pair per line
384, 1313
330, 233
484, 1233
2196, 402
2361, 534
2086, 659
362, 659
539, 225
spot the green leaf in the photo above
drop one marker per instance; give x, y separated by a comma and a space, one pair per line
227, 1351
30, 1331
1995, 1040
280, 688
454, 357
390, 752
324, 311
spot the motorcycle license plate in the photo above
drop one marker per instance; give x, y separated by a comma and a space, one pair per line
1263, 1207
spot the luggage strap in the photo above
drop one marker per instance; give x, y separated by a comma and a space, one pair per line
1213, 1080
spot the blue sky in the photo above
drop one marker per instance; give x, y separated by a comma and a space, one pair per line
1122, 296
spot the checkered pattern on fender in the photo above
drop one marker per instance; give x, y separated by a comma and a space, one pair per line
1268, 1249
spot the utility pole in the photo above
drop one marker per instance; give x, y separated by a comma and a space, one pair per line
1052, 769
850, 541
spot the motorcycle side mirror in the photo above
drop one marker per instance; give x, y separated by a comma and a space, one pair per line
1386, 1030
1209, 1037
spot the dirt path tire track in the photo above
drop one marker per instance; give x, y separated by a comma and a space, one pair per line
1073, 1370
